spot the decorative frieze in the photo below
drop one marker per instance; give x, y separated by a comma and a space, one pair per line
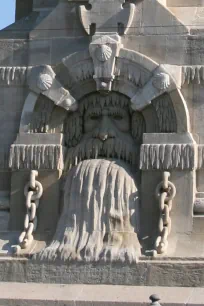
192, 74
131, 72
200, 157
82, 68
167, 156
14, 75
37, 157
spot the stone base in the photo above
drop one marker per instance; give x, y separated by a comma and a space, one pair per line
179, 273
77, 295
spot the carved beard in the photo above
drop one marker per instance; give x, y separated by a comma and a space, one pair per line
100, 218
92, 148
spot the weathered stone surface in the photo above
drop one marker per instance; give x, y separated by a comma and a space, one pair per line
43, 294
147, 273
103, 98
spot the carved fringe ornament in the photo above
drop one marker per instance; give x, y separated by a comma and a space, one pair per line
14, 75
131, 72
152, 157
81, 72
165, 113
167, 156
81, 69
94, 148
200, 157
192, 74
37, 157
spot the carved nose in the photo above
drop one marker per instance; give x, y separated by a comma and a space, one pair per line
103, 136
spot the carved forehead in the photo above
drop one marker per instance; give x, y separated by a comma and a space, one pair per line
107, 110
97, 101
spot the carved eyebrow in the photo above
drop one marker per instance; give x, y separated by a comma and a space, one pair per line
116, 111
93, 111
109, 111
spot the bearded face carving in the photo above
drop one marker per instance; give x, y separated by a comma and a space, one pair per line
100, 218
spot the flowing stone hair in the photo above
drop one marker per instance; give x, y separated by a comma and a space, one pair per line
74, 122
100, 218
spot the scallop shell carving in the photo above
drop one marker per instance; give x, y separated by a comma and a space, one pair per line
103, 53
44, 82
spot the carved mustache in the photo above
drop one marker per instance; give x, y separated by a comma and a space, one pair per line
104, 134
94, 148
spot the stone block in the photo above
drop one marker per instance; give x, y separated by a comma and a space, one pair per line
42, 4
184, 3
156, 32
39, 52
4, 220
62, 47
6, 52
63, 21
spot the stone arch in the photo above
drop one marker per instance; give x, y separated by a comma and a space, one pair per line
134, 73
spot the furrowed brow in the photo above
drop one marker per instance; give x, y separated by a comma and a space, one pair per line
93, 111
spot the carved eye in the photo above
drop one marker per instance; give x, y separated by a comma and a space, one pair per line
94, 117
117, 117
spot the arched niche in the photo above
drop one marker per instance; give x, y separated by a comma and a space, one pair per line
133, 71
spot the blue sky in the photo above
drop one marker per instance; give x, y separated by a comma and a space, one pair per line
7, 12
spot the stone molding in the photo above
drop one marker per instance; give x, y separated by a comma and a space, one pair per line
37, 157
152, 157
167, 157
18, 75
192, 74
12, 76
201, 157
37, 151
81, 68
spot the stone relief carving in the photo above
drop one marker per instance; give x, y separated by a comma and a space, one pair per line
103, 134
167, 156
83, 69
37, 157
161, 81
41, 80
166, 116
157, 85
100, 218
44, 82
104, 50
192, 74
39, 119
14, 75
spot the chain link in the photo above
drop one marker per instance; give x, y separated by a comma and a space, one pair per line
33, 192
165, 193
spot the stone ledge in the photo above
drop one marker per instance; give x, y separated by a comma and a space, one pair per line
74, 295
172, 273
